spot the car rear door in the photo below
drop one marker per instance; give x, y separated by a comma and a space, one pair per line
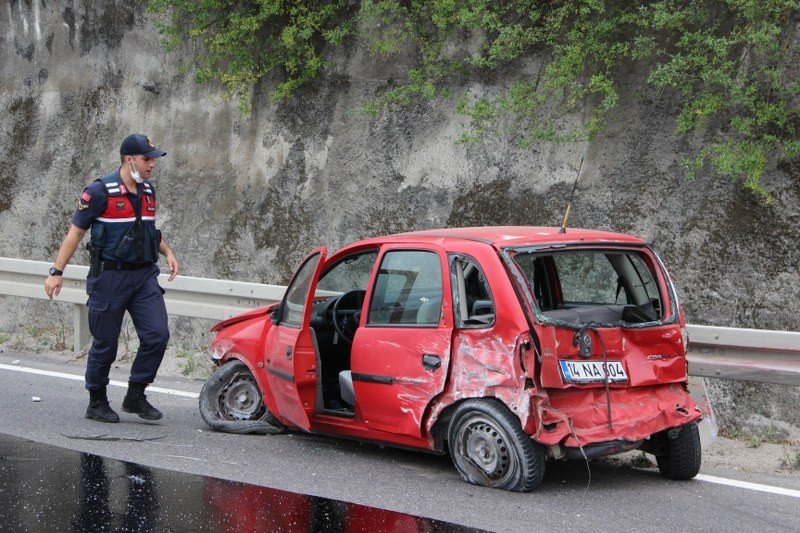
401, 354
289, 348
604, 315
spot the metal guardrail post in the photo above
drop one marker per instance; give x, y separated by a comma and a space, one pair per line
80, 327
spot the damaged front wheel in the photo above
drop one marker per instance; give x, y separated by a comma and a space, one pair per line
231, 402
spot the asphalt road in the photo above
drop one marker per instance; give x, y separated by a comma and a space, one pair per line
574, 496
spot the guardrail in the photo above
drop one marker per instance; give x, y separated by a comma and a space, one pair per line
186, 296
728, 353
744, 354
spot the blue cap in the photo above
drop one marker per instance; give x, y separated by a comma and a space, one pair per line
138, 144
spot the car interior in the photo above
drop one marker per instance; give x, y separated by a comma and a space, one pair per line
408, 293
581, 287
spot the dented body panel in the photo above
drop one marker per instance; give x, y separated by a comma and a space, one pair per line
413, 324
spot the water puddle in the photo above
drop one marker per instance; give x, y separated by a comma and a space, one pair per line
46, 488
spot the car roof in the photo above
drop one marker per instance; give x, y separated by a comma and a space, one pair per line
506, 236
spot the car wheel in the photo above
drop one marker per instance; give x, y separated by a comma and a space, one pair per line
489, 448
231, 401
682, 455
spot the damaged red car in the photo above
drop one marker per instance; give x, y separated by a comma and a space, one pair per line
505, 347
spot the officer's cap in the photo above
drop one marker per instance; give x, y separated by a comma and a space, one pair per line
138, 144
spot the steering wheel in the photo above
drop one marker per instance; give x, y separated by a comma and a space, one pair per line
347, 314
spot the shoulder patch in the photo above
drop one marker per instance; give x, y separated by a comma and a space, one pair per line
86, 197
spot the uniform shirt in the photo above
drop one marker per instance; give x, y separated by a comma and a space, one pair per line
93, 201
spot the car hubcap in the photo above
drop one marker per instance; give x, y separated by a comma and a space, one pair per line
241, 400
486, 447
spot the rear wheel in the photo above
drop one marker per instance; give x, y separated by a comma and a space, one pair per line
231, 401
682, 454
489, 448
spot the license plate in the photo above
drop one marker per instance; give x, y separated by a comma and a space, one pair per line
592, 371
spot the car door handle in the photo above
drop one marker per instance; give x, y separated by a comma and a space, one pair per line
431, 362
289, 353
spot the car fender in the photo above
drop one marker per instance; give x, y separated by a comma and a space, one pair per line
261, 380
488, 369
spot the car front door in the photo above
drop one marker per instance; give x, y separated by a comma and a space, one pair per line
289, 348
401, 354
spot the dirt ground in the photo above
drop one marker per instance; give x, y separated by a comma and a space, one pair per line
730, 452
750, 456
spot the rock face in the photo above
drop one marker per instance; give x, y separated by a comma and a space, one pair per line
245, 197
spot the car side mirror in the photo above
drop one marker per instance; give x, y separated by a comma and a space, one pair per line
277, 311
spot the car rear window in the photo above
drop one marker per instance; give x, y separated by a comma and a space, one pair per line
601, 286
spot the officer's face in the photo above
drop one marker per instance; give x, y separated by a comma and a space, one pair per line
143, 165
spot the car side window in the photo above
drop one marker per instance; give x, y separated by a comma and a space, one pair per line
472, 298
295, 300
408, 289
351, 273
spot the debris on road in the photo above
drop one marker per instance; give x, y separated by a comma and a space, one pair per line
105, 437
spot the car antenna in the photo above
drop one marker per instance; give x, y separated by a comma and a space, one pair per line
571, 196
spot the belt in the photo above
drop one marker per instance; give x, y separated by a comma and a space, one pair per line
113, 265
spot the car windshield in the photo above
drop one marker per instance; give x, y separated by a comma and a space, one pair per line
351, 273
597, 286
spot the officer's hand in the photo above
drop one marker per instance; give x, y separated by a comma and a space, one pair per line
52, 285
172, 263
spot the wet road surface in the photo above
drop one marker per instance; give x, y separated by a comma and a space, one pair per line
574, 496
45, 488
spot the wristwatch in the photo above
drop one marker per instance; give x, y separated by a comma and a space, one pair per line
55, 272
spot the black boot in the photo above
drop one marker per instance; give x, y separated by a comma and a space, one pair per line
136, 402
99, 409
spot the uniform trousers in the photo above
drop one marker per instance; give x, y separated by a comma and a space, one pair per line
111, 293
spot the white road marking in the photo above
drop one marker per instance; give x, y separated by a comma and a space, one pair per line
81, 378
748, 485
700, 477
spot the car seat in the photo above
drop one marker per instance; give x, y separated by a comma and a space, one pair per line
346, 390
430, 312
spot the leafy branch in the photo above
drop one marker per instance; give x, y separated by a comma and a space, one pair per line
240, 42
729, 61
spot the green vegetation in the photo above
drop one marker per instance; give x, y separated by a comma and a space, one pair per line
726, 62
241, 42
791, 461
35, 332
59, 331
770, 434
194, 364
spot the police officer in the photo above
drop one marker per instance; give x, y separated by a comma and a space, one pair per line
120, 209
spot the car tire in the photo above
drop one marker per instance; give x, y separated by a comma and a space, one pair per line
231, 402
682, 456
489, 448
